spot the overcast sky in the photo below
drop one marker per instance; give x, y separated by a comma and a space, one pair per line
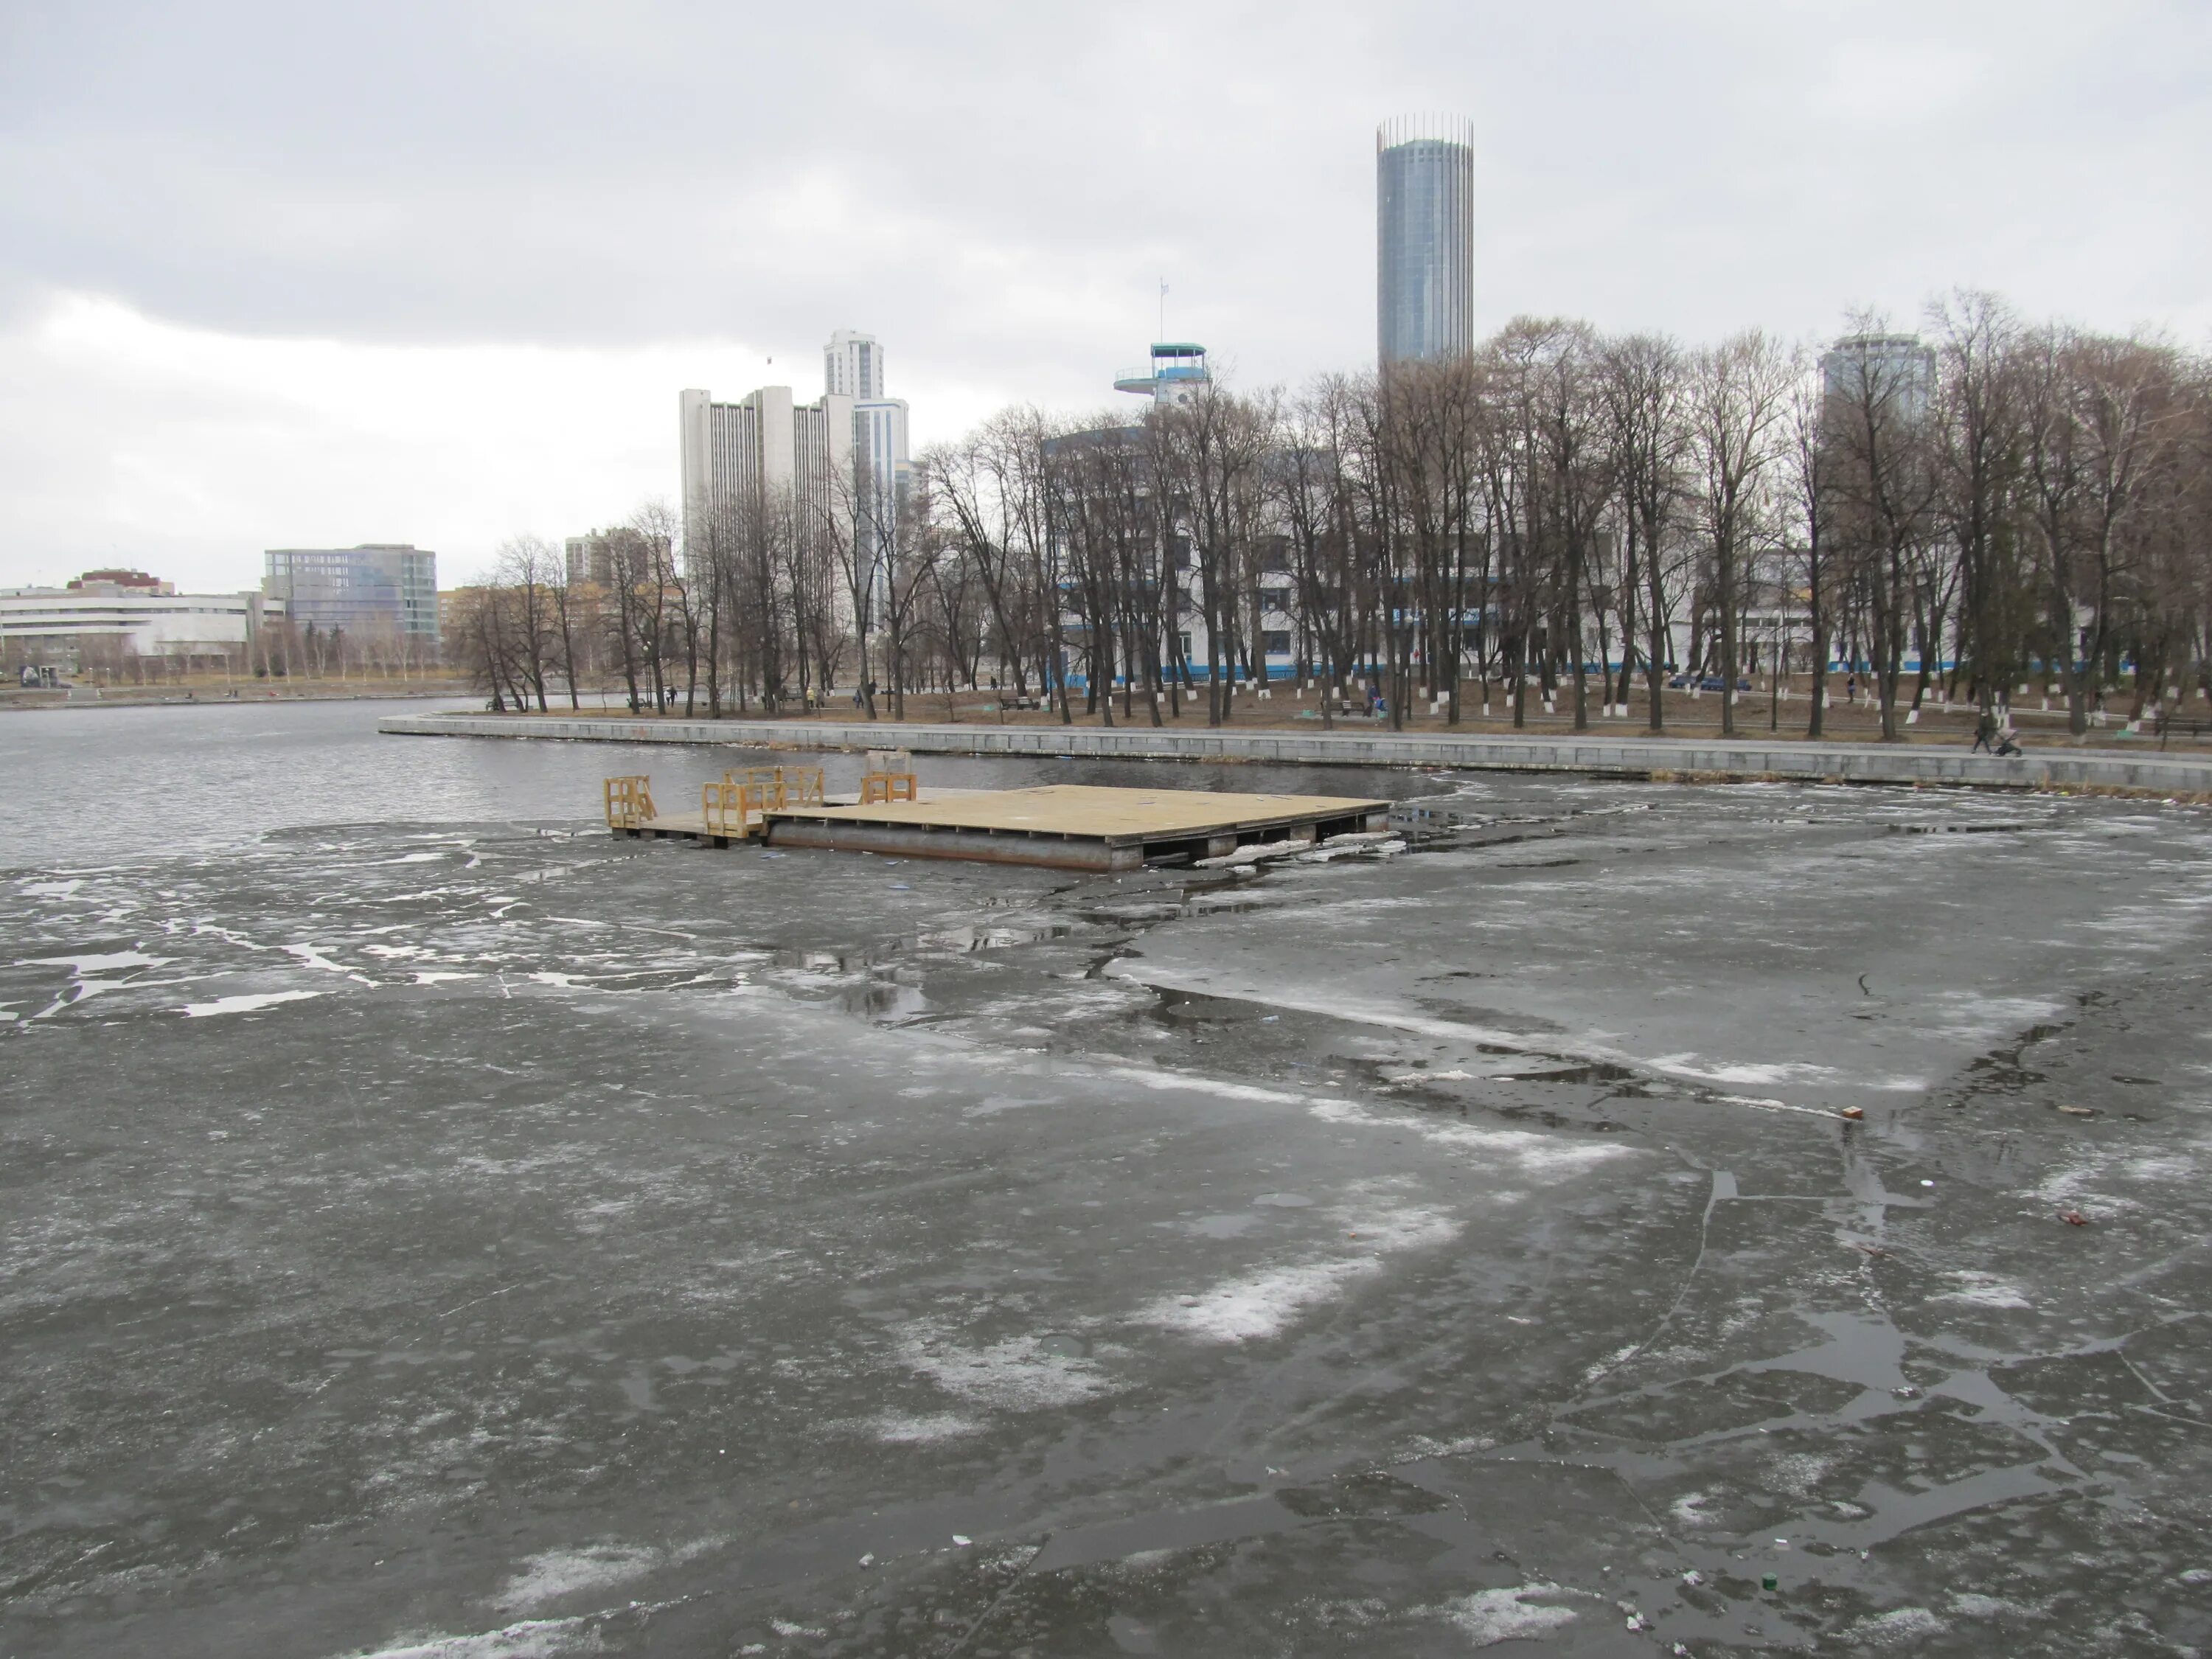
286, 275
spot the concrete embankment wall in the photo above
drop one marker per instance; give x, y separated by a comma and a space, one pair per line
1686, 760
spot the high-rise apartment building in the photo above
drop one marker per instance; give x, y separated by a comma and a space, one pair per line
378, 584
762, 447
585, 559
883, 476
852, 365
842, 457
1424, 239
591, 557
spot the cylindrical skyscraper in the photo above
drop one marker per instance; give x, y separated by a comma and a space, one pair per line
1424, 238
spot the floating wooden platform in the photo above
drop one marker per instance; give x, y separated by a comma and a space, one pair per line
693, 826
1059, 826
1072, 826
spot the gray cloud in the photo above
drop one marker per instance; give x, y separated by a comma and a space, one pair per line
995, 191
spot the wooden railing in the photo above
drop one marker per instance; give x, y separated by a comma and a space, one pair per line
629, 802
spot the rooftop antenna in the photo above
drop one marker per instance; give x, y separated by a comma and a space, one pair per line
1163, 334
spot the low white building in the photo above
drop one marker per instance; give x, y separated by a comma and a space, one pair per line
41, 626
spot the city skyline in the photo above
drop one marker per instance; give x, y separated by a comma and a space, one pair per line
204, 361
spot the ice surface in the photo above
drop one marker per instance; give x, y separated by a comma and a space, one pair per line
244, 1003
671, 1218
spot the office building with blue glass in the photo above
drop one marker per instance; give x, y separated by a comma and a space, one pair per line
1424, 239
379, 585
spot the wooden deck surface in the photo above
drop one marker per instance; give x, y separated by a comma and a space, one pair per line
1113, 816
695, 824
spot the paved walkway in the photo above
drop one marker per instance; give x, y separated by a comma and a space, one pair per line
1599, 753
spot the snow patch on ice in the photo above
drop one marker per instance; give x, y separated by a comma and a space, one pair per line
83, 965
1746, 1073
1798, 1473
554, 1573
1256, 1305
1967, 1604
1970, 1013
909, 1429
992, 1105
1529, 1152
1489, 1617
1898, 1627
1983, 1291
245, 1003
2160, 1169
1174, 1081
1690, 1509
563, 1572
1017, 1374
532, 1639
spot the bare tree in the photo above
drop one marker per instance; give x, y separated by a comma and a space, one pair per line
1644, 386
1737, 406
529, 566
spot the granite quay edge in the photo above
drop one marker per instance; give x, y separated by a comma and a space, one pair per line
1683, 760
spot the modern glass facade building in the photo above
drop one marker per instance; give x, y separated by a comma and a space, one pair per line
379, 584
1424, 238
1894, 373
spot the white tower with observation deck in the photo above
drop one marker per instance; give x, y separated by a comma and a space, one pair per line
1175, 373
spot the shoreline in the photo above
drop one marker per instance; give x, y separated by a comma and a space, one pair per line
1666, 760
25, 704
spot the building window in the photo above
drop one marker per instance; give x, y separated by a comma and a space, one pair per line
1276, 642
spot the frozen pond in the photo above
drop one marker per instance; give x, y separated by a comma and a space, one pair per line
429, 1226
